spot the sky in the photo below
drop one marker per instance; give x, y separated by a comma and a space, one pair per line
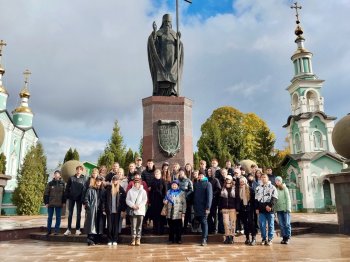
89, 63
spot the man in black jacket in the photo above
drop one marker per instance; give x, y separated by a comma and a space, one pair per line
202, 197
74, 191
54, 200
212, 217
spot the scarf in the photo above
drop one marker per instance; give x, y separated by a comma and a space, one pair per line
225, 192
172, 194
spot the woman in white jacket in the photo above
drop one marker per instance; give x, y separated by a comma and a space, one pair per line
136, 200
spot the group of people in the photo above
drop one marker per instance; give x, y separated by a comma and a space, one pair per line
210, 200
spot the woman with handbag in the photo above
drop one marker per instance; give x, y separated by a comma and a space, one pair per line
175, 200
136, 200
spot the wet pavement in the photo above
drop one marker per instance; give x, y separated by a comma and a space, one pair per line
311, 247
17, 222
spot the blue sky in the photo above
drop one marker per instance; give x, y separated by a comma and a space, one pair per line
89, 63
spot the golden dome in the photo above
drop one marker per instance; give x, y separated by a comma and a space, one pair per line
24, 93
3, 90
22, 109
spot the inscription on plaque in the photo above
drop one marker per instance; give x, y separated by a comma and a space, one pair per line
169, 136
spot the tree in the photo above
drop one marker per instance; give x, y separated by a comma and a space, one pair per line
28, 195
106, 159
75, 155
230, 134
196, 160
2, 163
114, 150
68, 156
116, 145
265, 154
129, 158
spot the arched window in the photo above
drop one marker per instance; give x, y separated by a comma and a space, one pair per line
295, 100
297, 143
311, 99
318, 140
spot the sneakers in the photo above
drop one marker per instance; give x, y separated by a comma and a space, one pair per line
67, 233
253, 242
247, 241
133, 242
138, 242
285, 241
109, 243
78, 232
204, 242
114, 243
263, 242
90, 242
268, 243
227, 239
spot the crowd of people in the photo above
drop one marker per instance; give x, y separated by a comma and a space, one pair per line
230, 201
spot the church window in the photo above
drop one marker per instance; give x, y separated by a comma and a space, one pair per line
297, 143
318, 140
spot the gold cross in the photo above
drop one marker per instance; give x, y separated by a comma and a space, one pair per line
2, 43
26, 74
296, 7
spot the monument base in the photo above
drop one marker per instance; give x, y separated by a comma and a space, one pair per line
161, 109
341, 183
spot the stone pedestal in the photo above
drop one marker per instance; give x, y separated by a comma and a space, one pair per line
3, 183
167, 108
341, 183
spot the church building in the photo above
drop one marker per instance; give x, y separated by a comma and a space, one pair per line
309, 129
17, 135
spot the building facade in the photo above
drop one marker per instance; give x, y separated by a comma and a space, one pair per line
309, 133
17, 133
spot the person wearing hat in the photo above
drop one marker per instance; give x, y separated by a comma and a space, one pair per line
283, 209
138, 164
136, 200
115, 206
175, 200
54, 200
94, 206
229, 204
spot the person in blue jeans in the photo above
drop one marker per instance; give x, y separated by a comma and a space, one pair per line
202, 199
54, 200
265, 200
283, 209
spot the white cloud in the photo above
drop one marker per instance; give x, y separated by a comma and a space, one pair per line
89, 63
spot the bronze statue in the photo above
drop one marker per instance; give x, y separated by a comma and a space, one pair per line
165, 58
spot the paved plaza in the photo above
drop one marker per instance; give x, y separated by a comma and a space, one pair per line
306, 247
311, 247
